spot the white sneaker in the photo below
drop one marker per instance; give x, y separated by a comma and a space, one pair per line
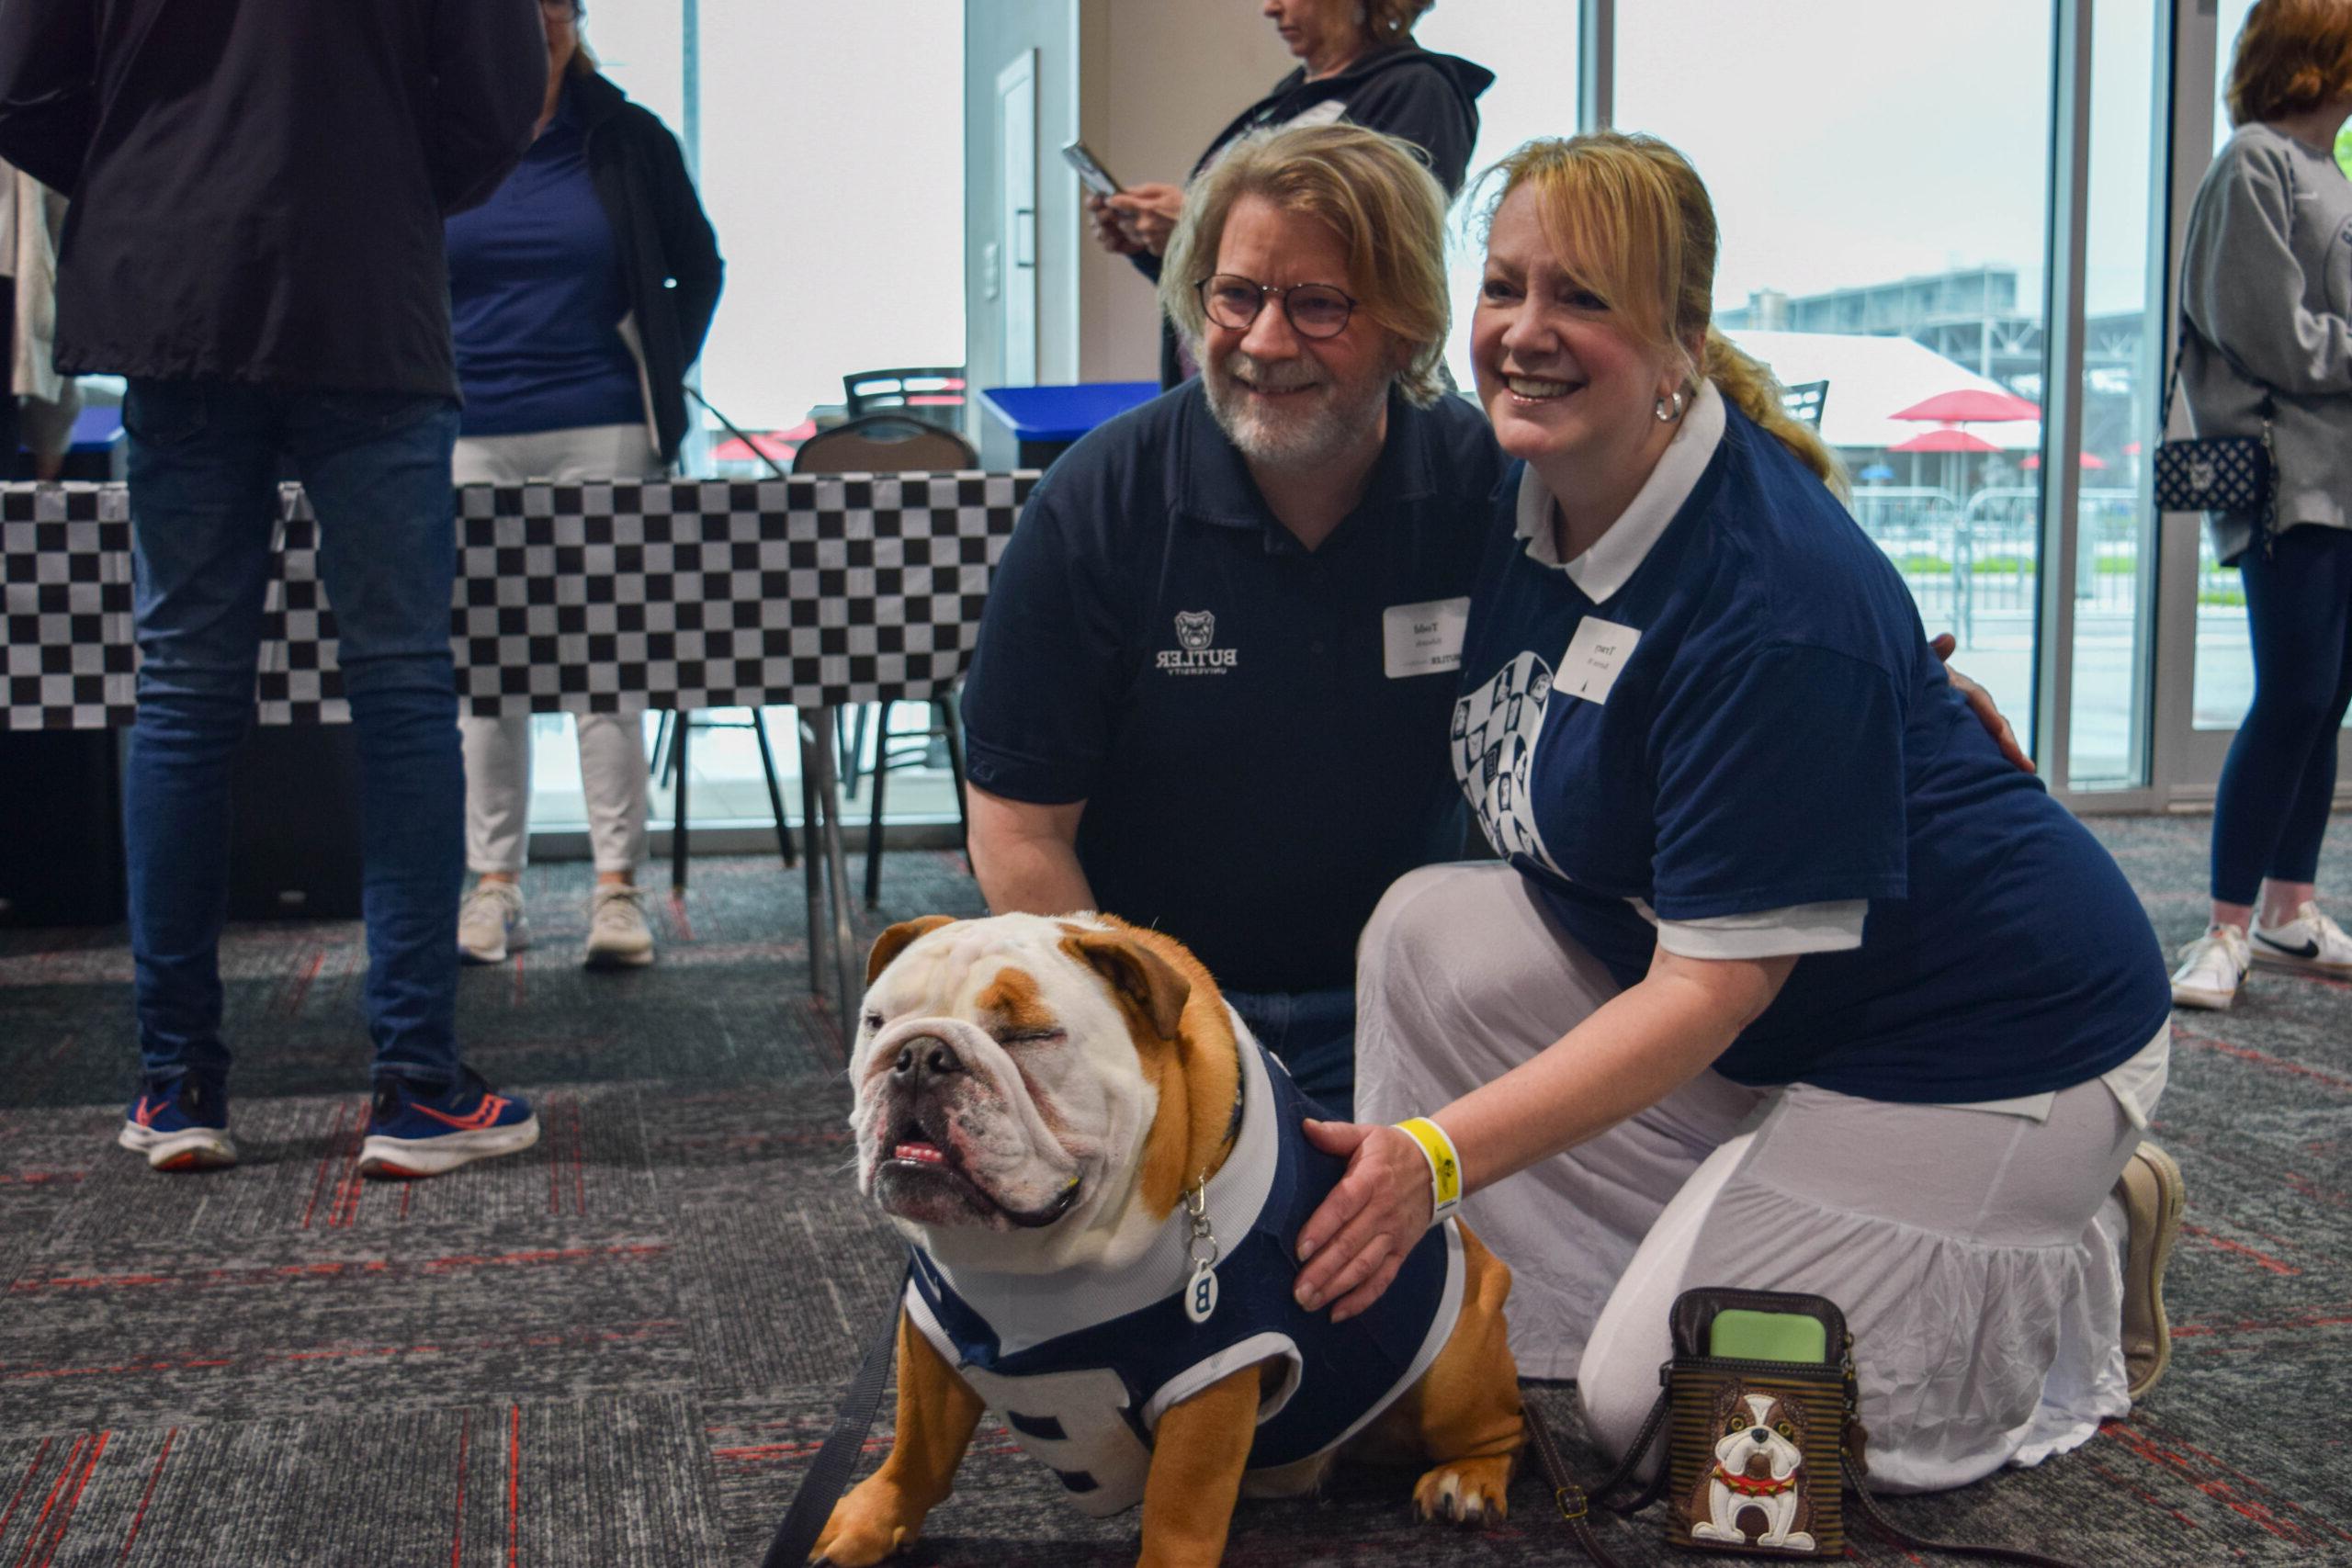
617, 935
2311, 942
2212, 969
491, 923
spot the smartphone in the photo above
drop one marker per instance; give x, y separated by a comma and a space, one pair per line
1091, 172
1768, 1337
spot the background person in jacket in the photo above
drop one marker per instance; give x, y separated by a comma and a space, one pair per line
2266, 289
1359, 63
255, 243
579, 294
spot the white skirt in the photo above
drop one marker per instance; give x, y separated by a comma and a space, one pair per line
1976, 1253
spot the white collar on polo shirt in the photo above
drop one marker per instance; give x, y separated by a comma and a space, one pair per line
1604, 569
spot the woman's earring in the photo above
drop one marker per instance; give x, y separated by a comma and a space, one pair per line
1668, 410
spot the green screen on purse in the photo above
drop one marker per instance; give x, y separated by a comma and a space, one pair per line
1768, 1337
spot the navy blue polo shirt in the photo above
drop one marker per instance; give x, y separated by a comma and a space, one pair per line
1156, 644
1777, 734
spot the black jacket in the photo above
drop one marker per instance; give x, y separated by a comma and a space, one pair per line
1429, 100
665, 240
258, 186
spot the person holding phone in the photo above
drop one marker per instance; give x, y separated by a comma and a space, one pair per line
1762, 862
1358, 63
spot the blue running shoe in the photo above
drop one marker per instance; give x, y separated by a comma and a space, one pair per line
182, 1125
414, 1130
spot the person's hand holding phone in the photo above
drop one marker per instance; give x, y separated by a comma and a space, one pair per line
1110, 230
1147, 214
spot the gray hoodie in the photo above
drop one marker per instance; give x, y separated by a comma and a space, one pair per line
2267, 285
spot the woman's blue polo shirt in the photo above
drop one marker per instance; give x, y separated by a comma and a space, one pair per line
1156, 644
1752, 721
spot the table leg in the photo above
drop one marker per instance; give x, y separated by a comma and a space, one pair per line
844, 940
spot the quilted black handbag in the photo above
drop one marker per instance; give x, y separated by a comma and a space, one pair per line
2219, 473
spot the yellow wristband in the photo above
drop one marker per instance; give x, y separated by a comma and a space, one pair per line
1445, 1165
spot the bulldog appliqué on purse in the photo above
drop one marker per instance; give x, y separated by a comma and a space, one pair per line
1759, 1475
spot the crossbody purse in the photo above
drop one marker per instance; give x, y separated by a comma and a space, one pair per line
1764, 1457
2217, 473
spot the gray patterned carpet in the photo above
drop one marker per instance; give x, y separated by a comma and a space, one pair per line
624, 1347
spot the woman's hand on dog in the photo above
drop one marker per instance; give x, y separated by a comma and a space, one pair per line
1352, 1246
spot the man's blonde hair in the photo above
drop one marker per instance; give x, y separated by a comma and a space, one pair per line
1375, 195
1630, 219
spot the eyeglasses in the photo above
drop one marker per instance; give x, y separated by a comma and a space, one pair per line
1315, 310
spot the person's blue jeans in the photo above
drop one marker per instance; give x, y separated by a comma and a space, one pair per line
2278, 782
1314, 1034
204, 500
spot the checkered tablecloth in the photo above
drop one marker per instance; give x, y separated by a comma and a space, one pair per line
796, 592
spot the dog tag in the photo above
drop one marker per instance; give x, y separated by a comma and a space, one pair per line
1200, 1291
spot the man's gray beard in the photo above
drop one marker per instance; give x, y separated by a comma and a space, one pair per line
1290, 442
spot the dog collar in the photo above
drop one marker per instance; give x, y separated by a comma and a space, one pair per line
1747, 1486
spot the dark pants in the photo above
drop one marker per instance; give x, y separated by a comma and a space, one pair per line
1312, 1033
204, 500
2279, 781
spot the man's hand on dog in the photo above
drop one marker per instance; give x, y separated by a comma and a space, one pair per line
1354, 1245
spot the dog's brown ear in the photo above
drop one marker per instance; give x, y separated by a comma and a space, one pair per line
1135, 972
892, 942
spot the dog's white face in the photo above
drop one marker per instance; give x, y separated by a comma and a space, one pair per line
1002, 1105
1758, 1425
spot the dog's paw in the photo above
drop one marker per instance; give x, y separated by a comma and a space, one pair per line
853, 1537
1468, 1491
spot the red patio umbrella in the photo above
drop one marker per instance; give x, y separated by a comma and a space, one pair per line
776, 444
2090, 465
1970, 405
1944, 438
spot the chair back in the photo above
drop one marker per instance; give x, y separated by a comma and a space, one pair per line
1804, 401
932, 393
884, 444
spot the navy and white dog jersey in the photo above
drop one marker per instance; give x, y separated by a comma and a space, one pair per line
1081, 1365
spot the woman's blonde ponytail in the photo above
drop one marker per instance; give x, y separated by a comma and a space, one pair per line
1752, 388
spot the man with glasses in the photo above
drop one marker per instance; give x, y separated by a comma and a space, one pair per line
1218, 664
256, 243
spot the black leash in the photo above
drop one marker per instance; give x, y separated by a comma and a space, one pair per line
828, 1478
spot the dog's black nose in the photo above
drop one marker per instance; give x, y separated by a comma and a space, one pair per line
925, 1055
1758, 1435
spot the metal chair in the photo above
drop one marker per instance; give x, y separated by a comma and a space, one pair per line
1806, 400
881, 443
932, 393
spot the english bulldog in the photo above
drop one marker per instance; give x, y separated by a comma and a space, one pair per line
1104, 1178
1758, 1466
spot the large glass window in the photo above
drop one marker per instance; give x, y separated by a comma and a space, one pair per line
1880, 173
2224, 683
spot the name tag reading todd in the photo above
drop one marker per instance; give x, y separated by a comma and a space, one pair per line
1595, 655
1421, 640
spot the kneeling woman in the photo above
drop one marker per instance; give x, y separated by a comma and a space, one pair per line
1764, 871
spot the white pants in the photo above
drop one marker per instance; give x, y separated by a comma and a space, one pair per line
1977, 1255
612, 745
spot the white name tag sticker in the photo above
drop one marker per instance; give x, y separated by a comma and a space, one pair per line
1421, 640
1596, 652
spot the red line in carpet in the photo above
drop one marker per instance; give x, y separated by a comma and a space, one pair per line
40, 1178
2262, 1326
349, 1187
678, 914
2291, 1507
72, 1503
458, 1541
2262, 1259
518, 980
2144, 1445
318, 1185
32, 1538
2264, 1059
30, 1471
408, 1190
2150, 1499
147, 1496
555, 1166
301, 986
514, 1484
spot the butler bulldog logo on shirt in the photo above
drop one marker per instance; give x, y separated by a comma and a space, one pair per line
1195, 630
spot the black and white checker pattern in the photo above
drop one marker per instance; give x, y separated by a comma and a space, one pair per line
800, 593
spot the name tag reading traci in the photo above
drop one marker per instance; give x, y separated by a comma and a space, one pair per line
1596, 652
1422, 639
